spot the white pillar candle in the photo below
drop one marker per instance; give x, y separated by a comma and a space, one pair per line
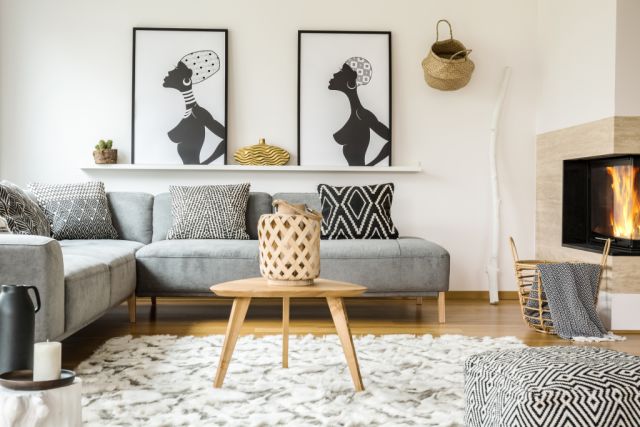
47, 361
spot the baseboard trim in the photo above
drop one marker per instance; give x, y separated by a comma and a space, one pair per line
480, 295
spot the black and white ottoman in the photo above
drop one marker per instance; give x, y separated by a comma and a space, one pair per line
552, 386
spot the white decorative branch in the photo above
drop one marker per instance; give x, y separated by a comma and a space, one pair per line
493, 267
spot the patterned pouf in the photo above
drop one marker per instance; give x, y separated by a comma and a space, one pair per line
552, 386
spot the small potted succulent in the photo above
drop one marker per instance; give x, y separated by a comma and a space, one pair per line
104, 154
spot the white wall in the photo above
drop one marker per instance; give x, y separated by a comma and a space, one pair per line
65, 82
577, 62
627, 58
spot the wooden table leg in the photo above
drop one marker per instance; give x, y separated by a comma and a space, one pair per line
238, 312
285, 332
339, 314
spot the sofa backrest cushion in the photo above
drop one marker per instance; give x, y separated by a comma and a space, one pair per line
312, 200
259, 204
131, 214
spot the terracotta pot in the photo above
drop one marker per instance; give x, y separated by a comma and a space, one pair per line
105, 156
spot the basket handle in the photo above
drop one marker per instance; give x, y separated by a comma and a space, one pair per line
465, 51
308, 212
603, 265
514, 250
438, 32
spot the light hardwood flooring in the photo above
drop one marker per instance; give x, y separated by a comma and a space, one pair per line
366, 316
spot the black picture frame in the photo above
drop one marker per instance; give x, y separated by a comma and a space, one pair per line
301, 33
225, 66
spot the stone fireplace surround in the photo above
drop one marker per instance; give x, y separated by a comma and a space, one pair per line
619, 300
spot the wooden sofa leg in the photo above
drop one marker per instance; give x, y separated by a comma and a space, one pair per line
419, 301
441, 311
153, 301
131, 302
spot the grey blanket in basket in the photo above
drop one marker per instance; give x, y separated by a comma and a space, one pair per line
571, 290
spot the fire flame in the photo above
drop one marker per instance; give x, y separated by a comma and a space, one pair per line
625, 213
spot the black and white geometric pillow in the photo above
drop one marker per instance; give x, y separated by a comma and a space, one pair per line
23, 215
209, 212
357, 212
76, 211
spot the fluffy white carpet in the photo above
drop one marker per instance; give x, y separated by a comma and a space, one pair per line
167, 381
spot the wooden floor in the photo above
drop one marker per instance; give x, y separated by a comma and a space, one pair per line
366, 316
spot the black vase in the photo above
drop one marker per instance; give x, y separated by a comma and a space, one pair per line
17, 327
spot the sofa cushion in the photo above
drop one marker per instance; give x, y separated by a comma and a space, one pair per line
117, 255
390, 267
209, 212
22, 214
409, 266
357, 212
132, 215
76, 211
181, 267
86, 290
259, 204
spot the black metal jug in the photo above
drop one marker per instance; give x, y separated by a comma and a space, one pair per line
17, 327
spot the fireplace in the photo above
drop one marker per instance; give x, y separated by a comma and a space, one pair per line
601, 200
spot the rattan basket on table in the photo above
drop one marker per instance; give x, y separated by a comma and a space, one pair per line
533, 305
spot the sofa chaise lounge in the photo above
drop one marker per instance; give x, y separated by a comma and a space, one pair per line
80, 280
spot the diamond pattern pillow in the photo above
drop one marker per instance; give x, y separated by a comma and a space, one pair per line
23, 215
357, 212
209, 212
76, 211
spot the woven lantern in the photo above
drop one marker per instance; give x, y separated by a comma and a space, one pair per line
289, 243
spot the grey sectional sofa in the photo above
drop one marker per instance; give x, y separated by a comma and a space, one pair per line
79, 280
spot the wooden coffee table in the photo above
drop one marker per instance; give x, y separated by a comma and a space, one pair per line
243, 290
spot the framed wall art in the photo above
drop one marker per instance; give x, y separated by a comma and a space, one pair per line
179, 105
344, 98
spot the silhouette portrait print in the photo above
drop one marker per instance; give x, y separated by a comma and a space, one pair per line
189, 134
355, 135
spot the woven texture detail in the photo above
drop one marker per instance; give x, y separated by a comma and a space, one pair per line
357, 212
289, 247
209, 212
76, 211
23, 215
447, 66
552, 386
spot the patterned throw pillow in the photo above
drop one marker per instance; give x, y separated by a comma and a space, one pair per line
209, 212
76, 211
23, 215
357, 212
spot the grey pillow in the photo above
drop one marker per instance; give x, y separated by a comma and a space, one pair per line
209, 212
76, 211
23, 215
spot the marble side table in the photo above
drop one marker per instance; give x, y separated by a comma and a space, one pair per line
58, 407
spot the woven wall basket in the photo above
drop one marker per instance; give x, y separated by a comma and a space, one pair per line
289, 243
447, 66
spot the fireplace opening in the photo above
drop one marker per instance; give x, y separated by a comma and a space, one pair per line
601, 200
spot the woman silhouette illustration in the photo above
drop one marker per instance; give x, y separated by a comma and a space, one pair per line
189, 134
355, 134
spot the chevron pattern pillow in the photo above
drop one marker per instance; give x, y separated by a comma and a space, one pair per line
23, 215
357, 212
76, 211
209, 212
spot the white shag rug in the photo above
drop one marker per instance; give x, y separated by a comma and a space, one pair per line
162, 380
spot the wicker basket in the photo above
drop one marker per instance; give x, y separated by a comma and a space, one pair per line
447, 66
533, 305
290, 245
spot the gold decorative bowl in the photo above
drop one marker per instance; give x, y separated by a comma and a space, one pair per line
262, 154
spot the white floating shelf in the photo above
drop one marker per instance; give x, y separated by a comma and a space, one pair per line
241, 168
